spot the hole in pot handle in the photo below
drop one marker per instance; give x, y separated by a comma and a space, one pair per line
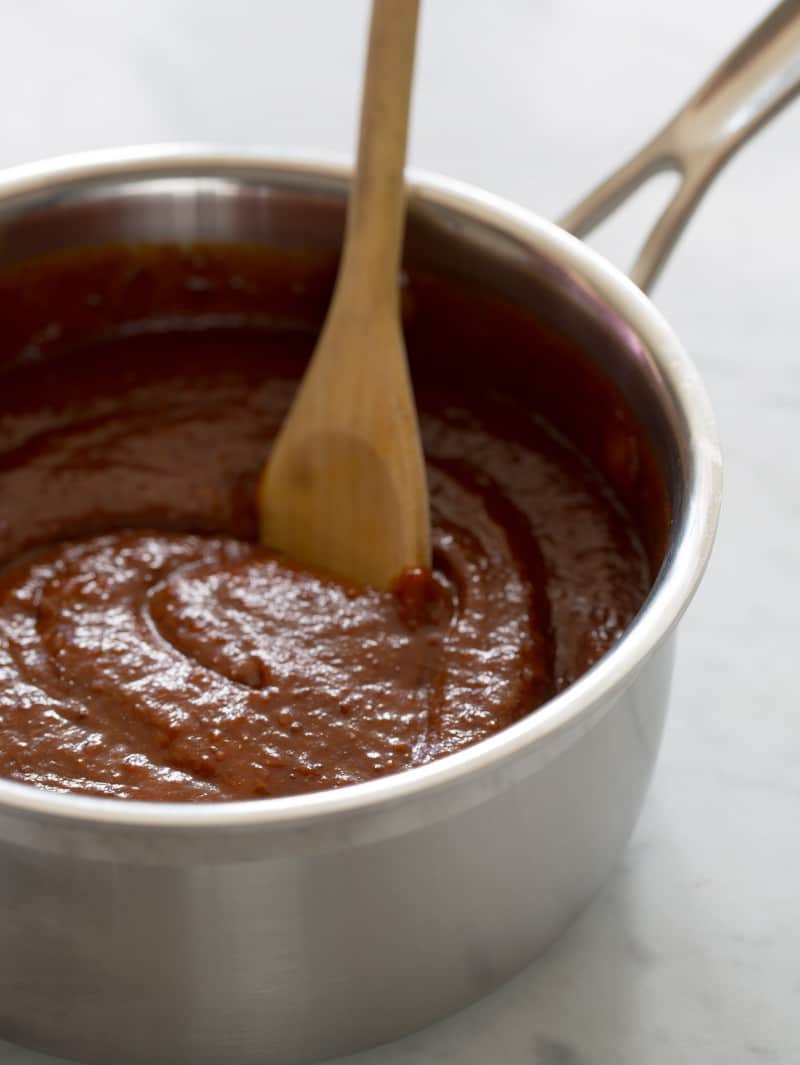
751, 85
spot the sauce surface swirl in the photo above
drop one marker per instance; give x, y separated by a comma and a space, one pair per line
150, 649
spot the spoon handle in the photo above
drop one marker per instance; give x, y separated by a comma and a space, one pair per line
376, 211
751, 85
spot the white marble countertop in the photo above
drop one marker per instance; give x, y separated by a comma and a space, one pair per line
692, 952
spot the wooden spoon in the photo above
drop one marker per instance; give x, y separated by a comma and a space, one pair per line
344, 489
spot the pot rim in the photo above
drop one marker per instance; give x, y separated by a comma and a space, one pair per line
569, 712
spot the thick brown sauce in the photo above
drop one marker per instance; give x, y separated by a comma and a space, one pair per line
150, 649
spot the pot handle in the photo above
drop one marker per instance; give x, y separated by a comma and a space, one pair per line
755, 81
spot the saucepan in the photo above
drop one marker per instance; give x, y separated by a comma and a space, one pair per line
292, 929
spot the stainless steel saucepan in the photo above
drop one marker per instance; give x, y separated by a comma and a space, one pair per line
288, 930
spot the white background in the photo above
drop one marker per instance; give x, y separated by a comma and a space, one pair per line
692, 953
